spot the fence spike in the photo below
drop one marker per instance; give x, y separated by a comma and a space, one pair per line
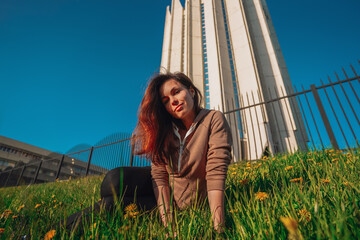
337, 120
324, 117
257, 120
252, 125
276, 121
277, 96
342, 109
347, 98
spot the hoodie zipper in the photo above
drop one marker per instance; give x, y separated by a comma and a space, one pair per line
182, 142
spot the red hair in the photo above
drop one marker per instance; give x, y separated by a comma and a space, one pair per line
154, 126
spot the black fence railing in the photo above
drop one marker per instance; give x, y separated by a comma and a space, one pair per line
320, 117
327, 116
96, 160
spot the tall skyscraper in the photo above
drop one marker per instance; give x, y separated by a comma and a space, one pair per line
230, 50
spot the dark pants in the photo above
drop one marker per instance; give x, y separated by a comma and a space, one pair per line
127, 184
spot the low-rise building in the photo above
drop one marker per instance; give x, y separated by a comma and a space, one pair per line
19, 163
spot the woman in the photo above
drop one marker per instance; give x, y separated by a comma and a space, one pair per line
189, 148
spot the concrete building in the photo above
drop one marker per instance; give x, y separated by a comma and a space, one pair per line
16, 156
230, 50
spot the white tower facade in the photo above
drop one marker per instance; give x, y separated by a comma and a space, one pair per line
230, 50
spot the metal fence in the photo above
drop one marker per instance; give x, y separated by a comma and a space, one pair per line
330, 113
96, 160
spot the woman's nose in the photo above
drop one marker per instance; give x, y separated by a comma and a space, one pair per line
174, 101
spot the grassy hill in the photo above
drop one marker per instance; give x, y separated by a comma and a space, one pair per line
312, 195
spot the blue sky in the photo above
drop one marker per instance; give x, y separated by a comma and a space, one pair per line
74, 71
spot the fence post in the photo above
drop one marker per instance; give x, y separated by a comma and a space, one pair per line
59, 168
7, 179
132, 156
37, 172
21, 174
89, 160
324, 117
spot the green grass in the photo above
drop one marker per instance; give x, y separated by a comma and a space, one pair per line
323, 202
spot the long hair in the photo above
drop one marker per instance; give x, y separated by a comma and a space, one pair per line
154, 127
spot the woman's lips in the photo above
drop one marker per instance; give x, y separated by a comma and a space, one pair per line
178, 108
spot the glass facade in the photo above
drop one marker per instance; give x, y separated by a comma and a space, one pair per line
205, 61
232, 67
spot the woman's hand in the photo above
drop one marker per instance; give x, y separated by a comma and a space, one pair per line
162, 195
216, 202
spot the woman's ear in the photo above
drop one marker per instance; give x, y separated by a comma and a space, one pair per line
192, 91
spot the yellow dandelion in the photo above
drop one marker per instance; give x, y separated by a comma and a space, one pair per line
56, 206
348, 184
335, 160
273, 158
234, 211
93, 226
54, 201
257, 166
310, 160
248, 164
37, 205
131, 207
131, 214
14, 216
289, 167
244, 181
53, 196
233, 173
2, 230
325, 180
50, 235
248, 168
304, 215
309, 153
6, 213
261, 196
300, 179
331, 150
21, 207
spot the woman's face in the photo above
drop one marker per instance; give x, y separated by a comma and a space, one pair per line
178, 100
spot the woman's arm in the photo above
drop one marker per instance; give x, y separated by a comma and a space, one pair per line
162, 195
216, 202
218, 159
160, 179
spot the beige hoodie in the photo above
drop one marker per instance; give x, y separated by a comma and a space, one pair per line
201, 161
